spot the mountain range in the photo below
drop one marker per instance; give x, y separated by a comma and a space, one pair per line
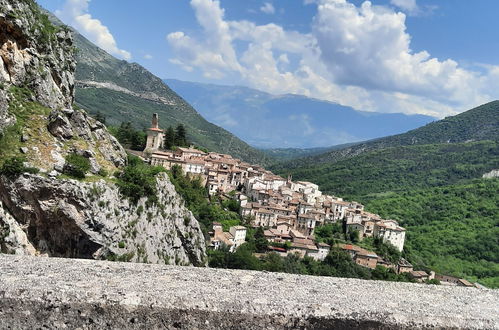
477, 124
289, 121
123, 91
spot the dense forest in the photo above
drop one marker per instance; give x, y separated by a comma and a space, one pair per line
430, 180
401, 168
452, 229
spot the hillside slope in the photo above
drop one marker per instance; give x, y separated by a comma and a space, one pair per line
453, 229
123, 91
480, 123
289, 121
430, 180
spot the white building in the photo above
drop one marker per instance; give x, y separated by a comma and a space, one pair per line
390, 232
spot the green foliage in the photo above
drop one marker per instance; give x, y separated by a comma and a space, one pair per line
382, 249
231, 205
196, 200
121, 245
20, 106
129, 137
76, 166
100, 117
337, 263
260, 240
453, 230
330, 233
103, 172
181, 136
402, 168
388, 274
169, 140
138, 180
14, 167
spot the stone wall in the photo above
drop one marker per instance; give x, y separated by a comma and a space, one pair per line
86, 294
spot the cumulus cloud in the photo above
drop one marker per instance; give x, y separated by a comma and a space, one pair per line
267, 8
358, 56
75, 13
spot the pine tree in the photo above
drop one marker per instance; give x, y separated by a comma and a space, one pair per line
169, 140
180, 136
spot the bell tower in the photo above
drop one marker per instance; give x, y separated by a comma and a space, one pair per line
155, 135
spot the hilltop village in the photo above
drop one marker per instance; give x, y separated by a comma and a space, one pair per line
289, 211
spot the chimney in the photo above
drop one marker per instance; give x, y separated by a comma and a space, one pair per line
155, 121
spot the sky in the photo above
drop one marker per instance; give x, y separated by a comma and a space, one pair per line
433, 57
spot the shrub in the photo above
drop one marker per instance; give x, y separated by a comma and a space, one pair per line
103, 172
139, 180
76, 166
14, 166
121, 245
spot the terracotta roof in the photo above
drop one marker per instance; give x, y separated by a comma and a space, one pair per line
155, 129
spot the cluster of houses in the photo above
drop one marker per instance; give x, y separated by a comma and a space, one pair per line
290, 211
269, 200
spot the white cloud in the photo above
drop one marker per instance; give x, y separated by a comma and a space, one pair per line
75, 13
267, 8
355, 56
148, 57
408, 5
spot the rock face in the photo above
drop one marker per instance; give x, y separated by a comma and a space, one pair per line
35, 54
83, 294
67, 218
46, 215
492, 174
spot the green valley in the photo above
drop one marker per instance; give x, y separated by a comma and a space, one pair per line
430, 180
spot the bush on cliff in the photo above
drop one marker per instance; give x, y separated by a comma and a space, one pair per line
14, 166
76, 166
138, 180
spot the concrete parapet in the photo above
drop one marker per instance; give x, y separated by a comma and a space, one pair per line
87, 294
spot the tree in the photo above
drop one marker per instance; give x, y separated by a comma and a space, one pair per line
169, 140
260, 240
354, 236
181, 136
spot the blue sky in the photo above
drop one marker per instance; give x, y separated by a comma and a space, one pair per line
413, 56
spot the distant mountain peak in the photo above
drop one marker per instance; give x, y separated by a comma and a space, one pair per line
290, 120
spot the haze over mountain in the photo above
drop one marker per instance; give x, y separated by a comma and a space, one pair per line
124, 91
478, 124
289, 121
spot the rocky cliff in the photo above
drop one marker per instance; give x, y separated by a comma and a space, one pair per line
47, 213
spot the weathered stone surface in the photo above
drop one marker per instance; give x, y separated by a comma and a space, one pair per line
5, 118
68, 218
64, 293
35, 55
492, 174
47, 216
13, 239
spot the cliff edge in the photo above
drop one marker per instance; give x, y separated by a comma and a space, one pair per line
42, 210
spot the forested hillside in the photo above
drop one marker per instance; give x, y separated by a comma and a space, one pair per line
429, 179
402, 168
123, 91
480, 123
452, 229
